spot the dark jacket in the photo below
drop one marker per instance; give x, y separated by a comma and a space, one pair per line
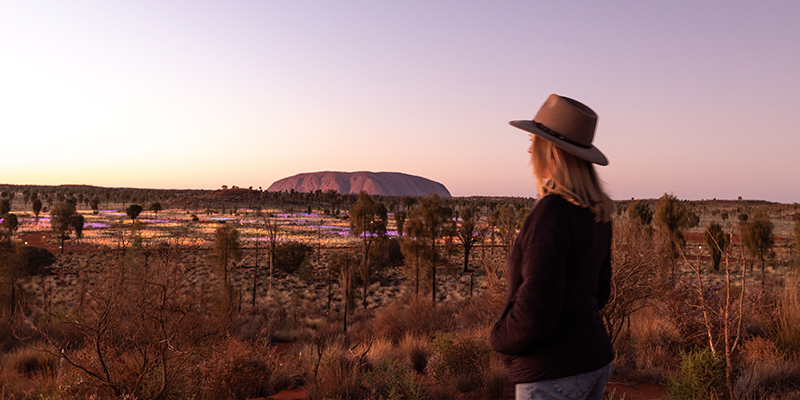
559, 273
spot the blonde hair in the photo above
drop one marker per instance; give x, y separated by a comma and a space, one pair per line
571, 177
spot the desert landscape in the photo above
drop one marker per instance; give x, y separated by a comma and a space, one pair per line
244, 294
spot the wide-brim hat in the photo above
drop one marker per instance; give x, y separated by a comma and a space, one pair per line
569, 124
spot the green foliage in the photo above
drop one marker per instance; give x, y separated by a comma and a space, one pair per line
717, 242
133, 211
700, 376
640, 212
155, 207
391, 379
290, 256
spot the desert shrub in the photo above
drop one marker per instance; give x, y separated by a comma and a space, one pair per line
639, 273
700, 375
290, 256
417, 316
764, 371
238, 370
460, 360
386, 253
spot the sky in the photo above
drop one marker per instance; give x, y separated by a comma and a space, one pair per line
697, 99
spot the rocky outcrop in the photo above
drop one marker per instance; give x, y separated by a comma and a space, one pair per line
382, 183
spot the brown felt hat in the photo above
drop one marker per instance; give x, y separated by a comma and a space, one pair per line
569, 124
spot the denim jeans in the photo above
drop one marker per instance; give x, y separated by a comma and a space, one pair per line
586, 386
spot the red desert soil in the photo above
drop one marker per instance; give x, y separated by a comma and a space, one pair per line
640, 391
643, 391
39, 239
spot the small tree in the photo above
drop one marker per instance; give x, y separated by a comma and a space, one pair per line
672, 217
61, 216
717, 242
343, 263
469, 232
36, 206
367, 220
155, 208
77, 221
94, 203
757, 238
640, 212
227, 249
399, 221
5, 206
796, 218
505, 218
434, 216
133, 211
9, 225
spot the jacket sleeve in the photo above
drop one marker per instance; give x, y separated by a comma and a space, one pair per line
533, 311
604, 283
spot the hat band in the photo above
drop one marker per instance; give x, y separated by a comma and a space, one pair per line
560, 136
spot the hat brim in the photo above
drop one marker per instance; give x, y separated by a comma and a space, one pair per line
591, 154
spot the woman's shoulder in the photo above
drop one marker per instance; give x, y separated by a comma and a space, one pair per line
550, 208
552, 203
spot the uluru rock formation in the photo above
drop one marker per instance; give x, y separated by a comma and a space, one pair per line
383, 183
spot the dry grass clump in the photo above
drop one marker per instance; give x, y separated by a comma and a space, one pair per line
26, 373
787, 321
646, 351
415, 350
765, 372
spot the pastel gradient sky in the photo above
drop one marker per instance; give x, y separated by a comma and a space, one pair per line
701, 99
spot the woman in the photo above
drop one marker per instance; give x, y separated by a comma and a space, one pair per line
550, 334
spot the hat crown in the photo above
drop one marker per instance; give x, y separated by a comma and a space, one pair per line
570, 118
